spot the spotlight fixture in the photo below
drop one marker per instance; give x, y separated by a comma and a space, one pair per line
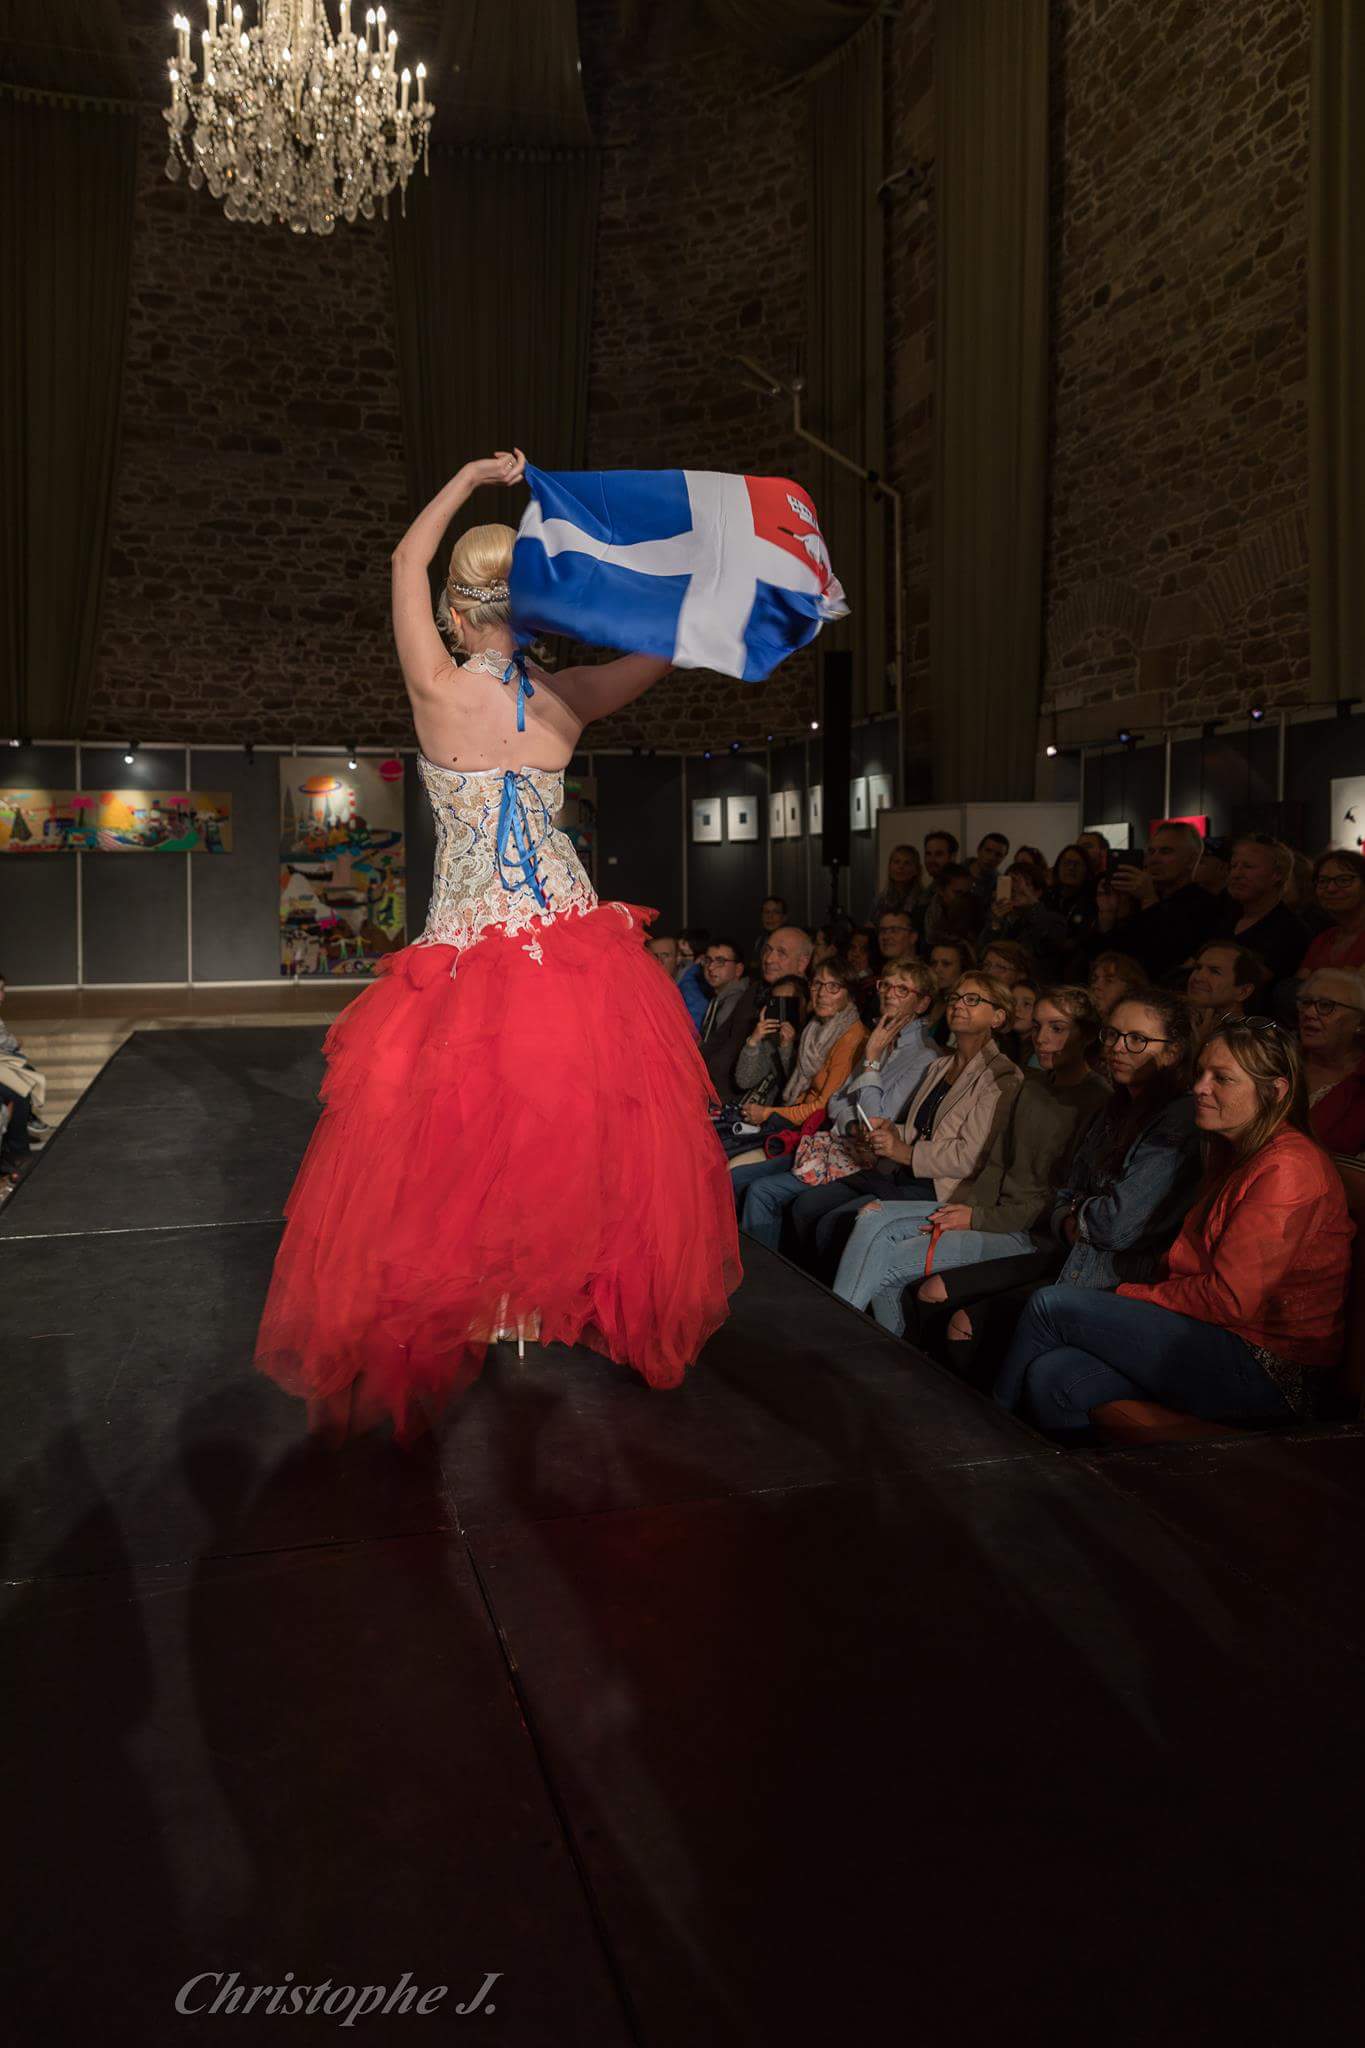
1257, 713
770, 739
250, 751
706, 754
16, 743
815, 725
130, 753
1051, 750
26, 743
734, 746
351, 761
1127, 737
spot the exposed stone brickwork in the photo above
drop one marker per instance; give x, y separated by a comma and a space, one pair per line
1179, 487
260, 484
261, 479
701, 254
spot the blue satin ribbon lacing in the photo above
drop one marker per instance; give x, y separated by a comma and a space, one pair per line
525, 687
514, 849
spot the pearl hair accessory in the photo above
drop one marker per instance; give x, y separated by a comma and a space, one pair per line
482, 593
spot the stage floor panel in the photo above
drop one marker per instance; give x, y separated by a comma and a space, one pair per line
813, 1700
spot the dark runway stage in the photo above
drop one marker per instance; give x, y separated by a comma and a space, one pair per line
815, 1701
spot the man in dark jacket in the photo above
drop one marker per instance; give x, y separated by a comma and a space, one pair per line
1171, 915
786, 952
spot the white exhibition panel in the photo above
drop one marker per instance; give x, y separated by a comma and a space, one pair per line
1050, 826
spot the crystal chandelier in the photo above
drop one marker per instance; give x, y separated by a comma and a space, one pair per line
286, 121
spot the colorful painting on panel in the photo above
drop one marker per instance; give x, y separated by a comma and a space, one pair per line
115, 821
343, 865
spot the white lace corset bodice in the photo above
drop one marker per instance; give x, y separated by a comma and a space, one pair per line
500, 864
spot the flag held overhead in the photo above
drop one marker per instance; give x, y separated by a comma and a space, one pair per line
697, 567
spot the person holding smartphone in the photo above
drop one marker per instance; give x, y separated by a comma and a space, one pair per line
1169, 915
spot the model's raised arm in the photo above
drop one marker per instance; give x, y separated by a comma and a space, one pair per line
423, 537
422, 653
596, 692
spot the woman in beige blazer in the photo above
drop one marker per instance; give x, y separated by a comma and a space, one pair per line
945, 1134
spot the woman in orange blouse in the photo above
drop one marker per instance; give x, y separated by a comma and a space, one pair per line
1250, 1311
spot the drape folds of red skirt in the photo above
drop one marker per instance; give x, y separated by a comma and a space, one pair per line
524, 1142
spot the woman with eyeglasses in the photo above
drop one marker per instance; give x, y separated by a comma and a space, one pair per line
1249, 1312
1331, 1005
814, 1064
991, 1213
1122, 1194
895, 1057
947, 1127
1339, 884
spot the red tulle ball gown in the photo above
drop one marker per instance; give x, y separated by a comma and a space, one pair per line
514, 1139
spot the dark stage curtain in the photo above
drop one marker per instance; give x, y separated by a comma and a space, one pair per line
68, 172
991, 399
512, 196
1336, 348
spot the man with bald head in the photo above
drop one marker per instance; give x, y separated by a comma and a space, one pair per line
786, 952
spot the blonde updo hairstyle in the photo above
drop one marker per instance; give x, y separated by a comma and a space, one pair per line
481, 559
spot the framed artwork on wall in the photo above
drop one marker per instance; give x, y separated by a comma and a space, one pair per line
791, 813
777, 816
705, 820
860, 818
1348, 812
815, 803
878, 796
1117, 837
741, 817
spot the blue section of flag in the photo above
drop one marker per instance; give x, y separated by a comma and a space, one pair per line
780, 622
598, 602
616, 505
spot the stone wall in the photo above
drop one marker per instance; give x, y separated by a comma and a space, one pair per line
260, 484
1179, 489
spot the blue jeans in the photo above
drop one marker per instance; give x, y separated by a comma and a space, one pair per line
1075, 1348
770, 1195
887, 1250
742, 1178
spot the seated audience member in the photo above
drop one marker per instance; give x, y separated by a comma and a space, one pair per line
895, 937
947, 1126
831, 941
903, 886
1095, 847
1249, 1311
1170, 916
862, 967
1225, 981
1071, 897
692, 982
884, 1077
1339, 880
1007, 961
727, 1019
1112, 977
984, 868
1255, 912
1034, 856
1026, 921
772, 916
1017, 1042
825, 1054
23, 1092
952, 910
1211, 874
1300, 893
1331, 1005
949, 960
768, 1054
991, 1214
786, 956
1123, 1194
665, 951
